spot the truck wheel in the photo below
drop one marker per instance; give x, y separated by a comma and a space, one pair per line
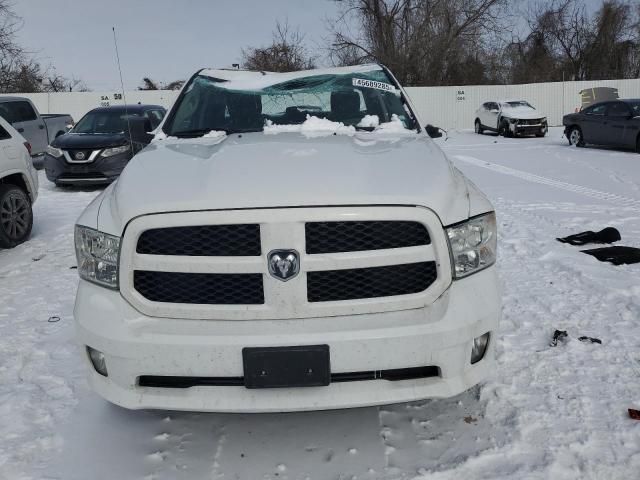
478, 127
16, 216
575, 137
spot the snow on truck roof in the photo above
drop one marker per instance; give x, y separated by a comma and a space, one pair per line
255, 80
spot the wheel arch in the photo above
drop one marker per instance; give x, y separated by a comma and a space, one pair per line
18, 180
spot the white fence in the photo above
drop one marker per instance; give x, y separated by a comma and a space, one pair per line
455, 107
446, 107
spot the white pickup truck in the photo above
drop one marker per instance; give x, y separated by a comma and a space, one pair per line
39, 130
288, 241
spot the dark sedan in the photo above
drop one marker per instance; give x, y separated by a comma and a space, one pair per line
100, 145
613, 123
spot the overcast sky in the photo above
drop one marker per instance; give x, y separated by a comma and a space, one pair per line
163, 39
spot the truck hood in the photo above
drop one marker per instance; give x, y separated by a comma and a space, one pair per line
89, 140
256, 170
522, 113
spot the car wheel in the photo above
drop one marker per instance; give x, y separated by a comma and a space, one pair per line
479, 129
504, 130
16, 216
638, 144
575, 137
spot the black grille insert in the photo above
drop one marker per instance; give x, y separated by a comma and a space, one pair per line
202, 241
394, 375
370, 282
200, 288
334, 237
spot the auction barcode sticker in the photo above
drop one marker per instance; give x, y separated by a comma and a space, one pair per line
361, 82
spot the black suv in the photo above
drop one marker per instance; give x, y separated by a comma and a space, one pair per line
98, 148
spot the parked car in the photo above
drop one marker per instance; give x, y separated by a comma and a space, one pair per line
100, 145
18, 187
288, 241
614, 123
39, 130
510, 118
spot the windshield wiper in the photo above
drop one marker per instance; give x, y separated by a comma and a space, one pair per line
203, 131
195, 133
366, 129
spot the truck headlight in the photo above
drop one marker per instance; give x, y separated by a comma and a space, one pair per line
54, 152
110, 152
473, 244
97, 255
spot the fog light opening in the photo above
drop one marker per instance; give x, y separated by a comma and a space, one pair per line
98, 361
479, 348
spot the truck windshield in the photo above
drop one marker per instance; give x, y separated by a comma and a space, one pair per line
362, 100
102, 122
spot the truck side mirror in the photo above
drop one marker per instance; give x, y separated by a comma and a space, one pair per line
433, 132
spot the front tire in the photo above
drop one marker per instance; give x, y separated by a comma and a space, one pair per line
478, 127
16, 216
504, 130
575, 137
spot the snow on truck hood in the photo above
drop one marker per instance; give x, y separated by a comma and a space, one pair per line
255, 170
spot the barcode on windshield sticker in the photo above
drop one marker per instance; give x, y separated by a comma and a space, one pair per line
361, 82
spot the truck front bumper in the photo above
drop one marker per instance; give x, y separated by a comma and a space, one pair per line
439, 335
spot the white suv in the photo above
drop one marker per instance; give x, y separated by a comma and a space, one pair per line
18, 187
288, 241
510, 118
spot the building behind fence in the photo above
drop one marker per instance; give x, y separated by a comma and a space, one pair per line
446, 107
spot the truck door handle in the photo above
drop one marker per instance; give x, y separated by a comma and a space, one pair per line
41, 127
21, 130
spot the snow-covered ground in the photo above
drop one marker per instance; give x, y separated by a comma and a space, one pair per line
547, 413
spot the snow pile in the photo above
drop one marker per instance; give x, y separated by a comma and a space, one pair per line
311, 127
160, 136
394, 126
318, 127
369, 121
214, 134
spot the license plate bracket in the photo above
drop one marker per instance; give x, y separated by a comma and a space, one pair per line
286, 367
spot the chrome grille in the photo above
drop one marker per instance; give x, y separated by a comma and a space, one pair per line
352, 260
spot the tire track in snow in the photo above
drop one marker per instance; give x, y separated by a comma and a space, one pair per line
569, 187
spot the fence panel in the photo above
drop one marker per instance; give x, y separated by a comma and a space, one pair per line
446, 107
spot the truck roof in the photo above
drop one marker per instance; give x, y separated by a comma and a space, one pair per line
250, 79
9, 98
134, 108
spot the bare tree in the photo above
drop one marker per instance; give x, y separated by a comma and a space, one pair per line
425, 42
565, 41
287, 53
148, 84
614, 43
19, 72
